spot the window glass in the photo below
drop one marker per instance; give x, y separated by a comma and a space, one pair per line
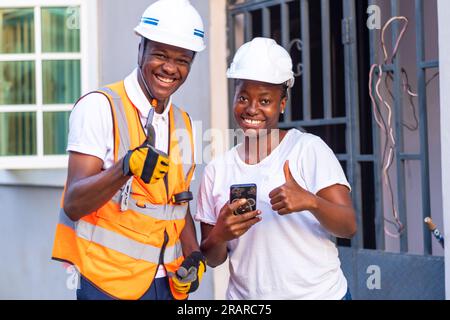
17, 80
17, 133
56, 125
60, 29
61, 80
17, 30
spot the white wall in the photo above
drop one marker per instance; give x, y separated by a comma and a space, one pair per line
29, 217
219, 108
444, 55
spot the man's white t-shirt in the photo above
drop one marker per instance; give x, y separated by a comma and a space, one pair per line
91, 127
281, 257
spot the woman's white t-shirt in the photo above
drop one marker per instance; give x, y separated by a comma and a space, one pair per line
281, 257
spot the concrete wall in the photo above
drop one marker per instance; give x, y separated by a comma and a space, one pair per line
444, 54
29, 217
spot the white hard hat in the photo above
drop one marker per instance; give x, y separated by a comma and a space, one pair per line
174, 22
262, 59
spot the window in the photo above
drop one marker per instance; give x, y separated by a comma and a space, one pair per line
47, 60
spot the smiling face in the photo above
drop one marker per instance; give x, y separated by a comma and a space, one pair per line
165, 68
257, 106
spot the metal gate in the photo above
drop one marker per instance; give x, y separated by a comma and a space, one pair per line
332, 55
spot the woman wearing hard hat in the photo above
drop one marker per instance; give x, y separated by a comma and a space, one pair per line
281, 250
125, 221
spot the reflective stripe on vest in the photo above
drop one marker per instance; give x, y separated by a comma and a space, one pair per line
165, 212
119, 243
184, 143
122, 123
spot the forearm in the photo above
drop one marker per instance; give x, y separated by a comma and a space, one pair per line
214, 249
337, 219
188, 236
89, 194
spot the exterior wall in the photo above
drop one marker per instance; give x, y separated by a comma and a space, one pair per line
219, 107
444, 55
29, 217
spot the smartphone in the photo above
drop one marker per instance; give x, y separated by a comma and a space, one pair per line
244, 191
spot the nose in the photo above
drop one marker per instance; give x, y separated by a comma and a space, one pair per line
251, 108
169, 67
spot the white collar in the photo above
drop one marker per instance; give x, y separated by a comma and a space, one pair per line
138, 98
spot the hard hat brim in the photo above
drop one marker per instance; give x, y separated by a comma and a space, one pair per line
247, 76
163, 38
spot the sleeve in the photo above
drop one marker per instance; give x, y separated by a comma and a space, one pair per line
319, 167
205, 200
90, 127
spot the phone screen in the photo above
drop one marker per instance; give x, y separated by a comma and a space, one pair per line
244, 191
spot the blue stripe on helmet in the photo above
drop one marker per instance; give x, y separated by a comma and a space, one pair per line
199, 31
147, 18
150, 22
199, 35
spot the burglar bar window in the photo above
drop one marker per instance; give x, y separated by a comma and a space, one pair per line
41, 79
311, 30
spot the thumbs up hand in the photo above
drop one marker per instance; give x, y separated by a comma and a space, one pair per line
290, 197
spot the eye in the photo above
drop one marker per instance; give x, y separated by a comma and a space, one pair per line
159, 55
265, 102
183, 62
242, 99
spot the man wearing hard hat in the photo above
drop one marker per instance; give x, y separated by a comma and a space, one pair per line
125, 221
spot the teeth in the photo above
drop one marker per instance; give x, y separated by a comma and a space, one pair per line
254, 122
165, 80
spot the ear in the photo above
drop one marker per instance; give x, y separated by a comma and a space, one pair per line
142, 45
283, 105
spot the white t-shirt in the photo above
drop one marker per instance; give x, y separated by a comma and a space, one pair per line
91, 129
281, 257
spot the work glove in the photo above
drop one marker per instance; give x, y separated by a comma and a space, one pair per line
146, 162
190, 273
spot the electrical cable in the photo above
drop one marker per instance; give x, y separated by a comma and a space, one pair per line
386, 126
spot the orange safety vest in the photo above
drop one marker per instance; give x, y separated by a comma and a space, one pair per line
119, 247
